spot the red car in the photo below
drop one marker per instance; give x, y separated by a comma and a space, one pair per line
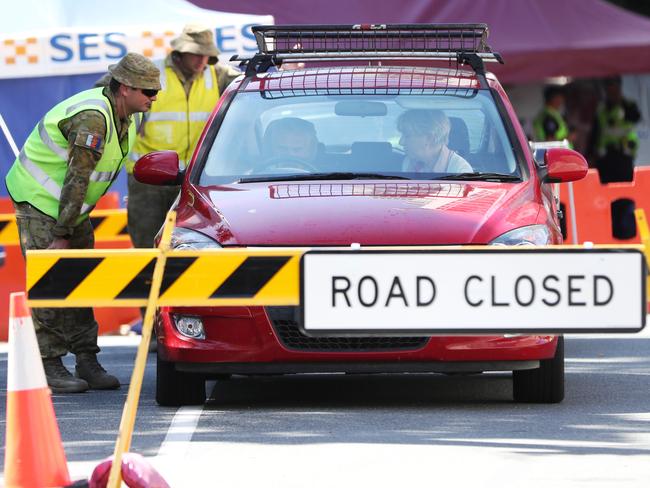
373, 143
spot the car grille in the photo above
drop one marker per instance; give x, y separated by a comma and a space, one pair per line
286, 323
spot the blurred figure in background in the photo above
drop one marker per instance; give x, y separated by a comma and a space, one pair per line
614, 141
550, 125
192, 82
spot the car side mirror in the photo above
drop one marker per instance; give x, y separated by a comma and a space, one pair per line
562, 165
159, 168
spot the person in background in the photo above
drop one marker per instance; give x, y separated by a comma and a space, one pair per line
68, 162
192, 82
425, 135
549, 125
614, 140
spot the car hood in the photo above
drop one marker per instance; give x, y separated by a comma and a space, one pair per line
379, 213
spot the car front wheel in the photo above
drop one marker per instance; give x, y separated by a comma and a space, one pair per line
174, 388
544, 384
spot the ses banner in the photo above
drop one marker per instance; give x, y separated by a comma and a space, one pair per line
78, 51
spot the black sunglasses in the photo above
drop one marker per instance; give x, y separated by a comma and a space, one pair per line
147, 92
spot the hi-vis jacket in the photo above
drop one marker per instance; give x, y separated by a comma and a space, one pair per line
540, 125
38, 172
175, 121
616, 130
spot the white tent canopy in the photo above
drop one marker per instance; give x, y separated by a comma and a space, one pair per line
61, 37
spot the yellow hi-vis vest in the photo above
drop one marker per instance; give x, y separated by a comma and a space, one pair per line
38, 172
175, 121
616, 132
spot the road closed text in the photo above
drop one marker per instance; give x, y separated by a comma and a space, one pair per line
550, 290
465, 290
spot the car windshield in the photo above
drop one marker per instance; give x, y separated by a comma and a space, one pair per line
440, 134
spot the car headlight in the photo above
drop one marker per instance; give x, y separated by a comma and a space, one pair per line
189, 326
530, 235
190, 239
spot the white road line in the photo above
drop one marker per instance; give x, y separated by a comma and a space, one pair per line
176, 444
180, 431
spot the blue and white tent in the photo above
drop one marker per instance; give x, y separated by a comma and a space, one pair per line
51, 49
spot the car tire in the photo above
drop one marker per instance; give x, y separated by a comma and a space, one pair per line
175, 389
544, 384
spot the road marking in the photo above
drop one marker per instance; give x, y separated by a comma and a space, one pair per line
177, 443
180, 432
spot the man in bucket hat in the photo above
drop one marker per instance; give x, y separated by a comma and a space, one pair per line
68, 162
192, 82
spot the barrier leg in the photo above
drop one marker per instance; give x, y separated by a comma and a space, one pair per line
123, 442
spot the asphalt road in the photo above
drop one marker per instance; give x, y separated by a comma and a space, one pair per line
381, 430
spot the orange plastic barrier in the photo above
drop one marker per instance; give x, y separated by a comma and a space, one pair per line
12, 276
594, 203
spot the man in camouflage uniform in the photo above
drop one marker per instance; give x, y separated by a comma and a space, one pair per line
192, 81
70, 159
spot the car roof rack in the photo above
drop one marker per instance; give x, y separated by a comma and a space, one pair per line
465, 44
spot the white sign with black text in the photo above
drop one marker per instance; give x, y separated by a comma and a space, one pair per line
472, 291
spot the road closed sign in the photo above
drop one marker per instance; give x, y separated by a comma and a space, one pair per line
473, 291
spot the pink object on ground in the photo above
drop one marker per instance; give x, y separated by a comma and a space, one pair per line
136, 473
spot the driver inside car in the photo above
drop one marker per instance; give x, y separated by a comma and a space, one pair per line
291, 138
425, 134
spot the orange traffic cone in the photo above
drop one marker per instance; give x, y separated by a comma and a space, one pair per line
34, 455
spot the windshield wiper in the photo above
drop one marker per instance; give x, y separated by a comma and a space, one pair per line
480, 177
322, 176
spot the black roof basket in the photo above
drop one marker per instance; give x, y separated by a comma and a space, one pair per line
462, 43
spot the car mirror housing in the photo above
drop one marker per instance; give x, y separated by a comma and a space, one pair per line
158, 168
563, 165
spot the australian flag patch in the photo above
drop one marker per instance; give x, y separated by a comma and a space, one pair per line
89, 140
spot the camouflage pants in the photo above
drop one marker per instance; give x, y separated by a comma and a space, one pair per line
58, 330
147, 207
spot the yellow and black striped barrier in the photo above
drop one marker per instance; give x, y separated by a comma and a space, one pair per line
109, 225
122, 278
215, 277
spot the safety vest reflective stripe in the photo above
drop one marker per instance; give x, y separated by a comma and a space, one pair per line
98, 103
99, 176
39, 175
137, 120
47, 140
199, 116
163, 73
177, 117
45, 181
167, 117
207, 78
50, 185
93, 101
615, 131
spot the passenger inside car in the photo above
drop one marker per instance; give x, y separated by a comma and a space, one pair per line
424, 137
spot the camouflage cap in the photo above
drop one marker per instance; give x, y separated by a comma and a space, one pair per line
136, 71
196, 39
